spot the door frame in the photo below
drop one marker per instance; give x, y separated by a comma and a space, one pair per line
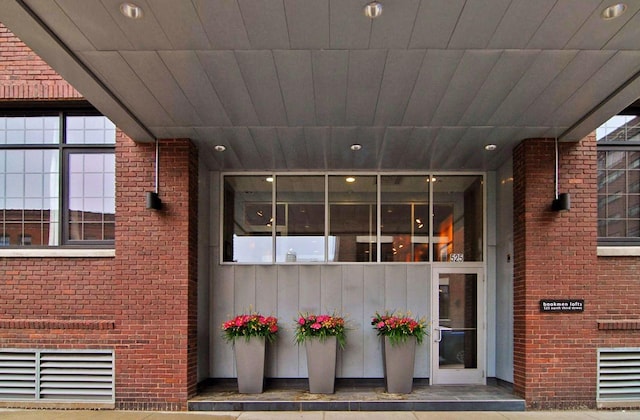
469, 376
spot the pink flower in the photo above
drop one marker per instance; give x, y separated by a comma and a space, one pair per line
316, 325
301, 321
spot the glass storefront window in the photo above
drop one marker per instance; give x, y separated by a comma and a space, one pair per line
248, 220
300, 232
353, 218
458, 218
342, 218
404, 218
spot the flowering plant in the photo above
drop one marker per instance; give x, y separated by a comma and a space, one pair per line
399, 327
321, 326
250, 325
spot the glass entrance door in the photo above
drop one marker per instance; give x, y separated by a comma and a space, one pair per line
458, 333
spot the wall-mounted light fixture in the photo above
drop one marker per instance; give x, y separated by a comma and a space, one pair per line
153, 199
561, 202
373, 10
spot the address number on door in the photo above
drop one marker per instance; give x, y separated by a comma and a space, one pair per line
456, 258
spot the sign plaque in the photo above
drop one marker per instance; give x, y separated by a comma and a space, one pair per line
562, 305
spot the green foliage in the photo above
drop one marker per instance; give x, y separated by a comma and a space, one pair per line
320, 326
250, 325
399, 327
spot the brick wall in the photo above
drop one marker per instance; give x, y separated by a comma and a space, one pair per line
24, 75
143, 302
556, 258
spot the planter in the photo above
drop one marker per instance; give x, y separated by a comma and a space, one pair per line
250, 364
399, 361
321, 364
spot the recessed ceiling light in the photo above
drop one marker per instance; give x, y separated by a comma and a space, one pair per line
131, 10
355, 147
219, 148
613, 11
373, 10
350, 179
490, 147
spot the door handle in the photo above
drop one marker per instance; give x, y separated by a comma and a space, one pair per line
440, 329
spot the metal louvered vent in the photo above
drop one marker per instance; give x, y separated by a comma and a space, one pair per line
57, 376
618, 377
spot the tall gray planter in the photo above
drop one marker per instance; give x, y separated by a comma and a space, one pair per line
250, 364
399, 360
321, 364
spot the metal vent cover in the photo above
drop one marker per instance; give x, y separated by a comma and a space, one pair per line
57, 375
618, 377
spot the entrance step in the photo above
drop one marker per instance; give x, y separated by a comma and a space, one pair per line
293, 395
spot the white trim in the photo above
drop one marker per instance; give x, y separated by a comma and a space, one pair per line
54, 253
619, 251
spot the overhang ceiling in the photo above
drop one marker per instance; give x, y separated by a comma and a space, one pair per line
291, 84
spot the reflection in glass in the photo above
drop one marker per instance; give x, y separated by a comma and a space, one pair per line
404, 216
458, 321
248, 220
458, 218
90, 130
91, 205
29, 130
300, 232
353, 218
29, 197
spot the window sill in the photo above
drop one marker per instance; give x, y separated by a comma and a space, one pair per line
57, 253
619, 251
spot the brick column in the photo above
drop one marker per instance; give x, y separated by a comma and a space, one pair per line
555, 258
156, 269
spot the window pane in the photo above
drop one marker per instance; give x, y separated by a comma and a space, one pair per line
90, 130
404, 217
29, 203
29, 130
458, 218
247, 219
89, 205
300, 236
352, 219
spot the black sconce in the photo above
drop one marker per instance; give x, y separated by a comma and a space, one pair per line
153, 199
561, 202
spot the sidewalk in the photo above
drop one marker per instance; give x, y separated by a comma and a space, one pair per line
8, 414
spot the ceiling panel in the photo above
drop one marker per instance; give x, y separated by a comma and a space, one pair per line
394, 31
96, 24
223, 24
538, 76
365, 75
345, 31
296, 84
505, 74
520, 22
435, 22
308, 23
265, 23
561, 24
260, 76
330, 86
400, 73
190, 76
572, 78
144, 34
432, 83
477, 23
150, 68
129, 88
291, 84
224, 74
468, 78
172, 15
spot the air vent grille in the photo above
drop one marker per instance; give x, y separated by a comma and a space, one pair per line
618, 377
67, 376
